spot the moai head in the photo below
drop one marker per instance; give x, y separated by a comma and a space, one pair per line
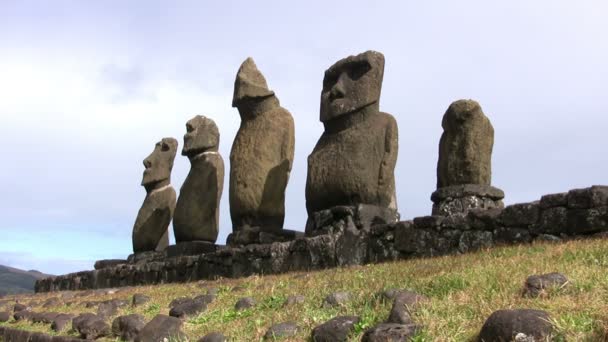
159, 163
352, 83
249, 85
202, 136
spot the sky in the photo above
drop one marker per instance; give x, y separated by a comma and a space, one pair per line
88, 87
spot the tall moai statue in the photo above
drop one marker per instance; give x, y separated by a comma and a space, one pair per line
151, 229
353, 162
464, 168
197, 212
261, 157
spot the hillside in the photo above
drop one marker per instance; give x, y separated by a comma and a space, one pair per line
463, 290
13, 280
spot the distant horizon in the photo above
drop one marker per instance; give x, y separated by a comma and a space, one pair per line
89, 88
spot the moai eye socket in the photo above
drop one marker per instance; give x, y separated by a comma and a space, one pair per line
357, 70
329, 80
189, 128
164, 147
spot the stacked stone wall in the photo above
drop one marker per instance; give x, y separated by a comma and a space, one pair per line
350, 239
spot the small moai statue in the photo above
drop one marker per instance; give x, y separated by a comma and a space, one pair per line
260, 160
196, 216
464, 168
353, 162
151, 229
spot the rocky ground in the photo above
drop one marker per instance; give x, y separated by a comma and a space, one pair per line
451, 298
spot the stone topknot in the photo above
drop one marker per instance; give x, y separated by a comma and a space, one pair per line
249, 83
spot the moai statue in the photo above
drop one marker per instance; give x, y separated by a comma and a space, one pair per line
464, 169
354, 160
260, 159
197, 212
150, 232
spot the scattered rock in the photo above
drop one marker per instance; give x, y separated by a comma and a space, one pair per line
5, 316
90, 326
51, 302
213, 337
213, 291
337, 299
336, 329
504, 325
390, 332
293, 300
139, 299
403, 305
178, 301
44, 317
110, 308
128, 327
23, 315
161, 327
20, 307
189, 308
244, 303
207, 299
280, 330
61, 321
536, 285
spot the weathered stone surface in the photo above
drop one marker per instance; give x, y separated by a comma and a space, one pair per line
51, 302
110, 307
336, 329
139, 299
459, 199
213, 337
360, 217
128, 327
404, 304
40, 337
262, 154
474, 240
20, 307
337, 299
190, 248
150, 231
504, 325
197, 212
587, 221
90, 326
512, 235
595, 196
99, 264
61, 321
244, 303
16, 335
281, 330
178, 301
5, 316
354, 159
161, 327
554, 200
294, 300
537, 285
23, 315
465, 148
44, 317
521, 214
552, 220
187, 309
255, 235
390, 332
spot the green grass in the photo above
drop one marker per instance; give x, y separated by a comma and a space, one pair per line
463, 290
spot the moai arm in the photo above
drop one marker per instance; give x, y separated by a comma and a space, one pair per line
386, 179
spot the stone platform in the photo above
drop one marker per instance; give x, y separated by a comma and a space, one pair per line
346, 237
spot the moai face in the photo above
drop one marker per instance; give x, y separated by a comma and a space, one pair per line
160, 162
250, 84
202, 135
352, 83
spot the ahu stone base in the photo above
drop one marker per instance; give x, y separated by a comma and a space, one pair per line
343, 238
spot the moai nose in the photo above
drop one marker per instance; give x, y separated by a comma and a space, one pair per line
337, 91
147, 163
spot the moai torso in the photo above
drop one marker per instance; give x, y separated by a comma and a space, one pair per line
150, 231
261, 155
197, 211
354, 160
465, 148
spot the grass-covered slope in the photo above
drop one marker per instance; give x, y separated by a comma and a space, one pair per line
13, 280
463, 290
